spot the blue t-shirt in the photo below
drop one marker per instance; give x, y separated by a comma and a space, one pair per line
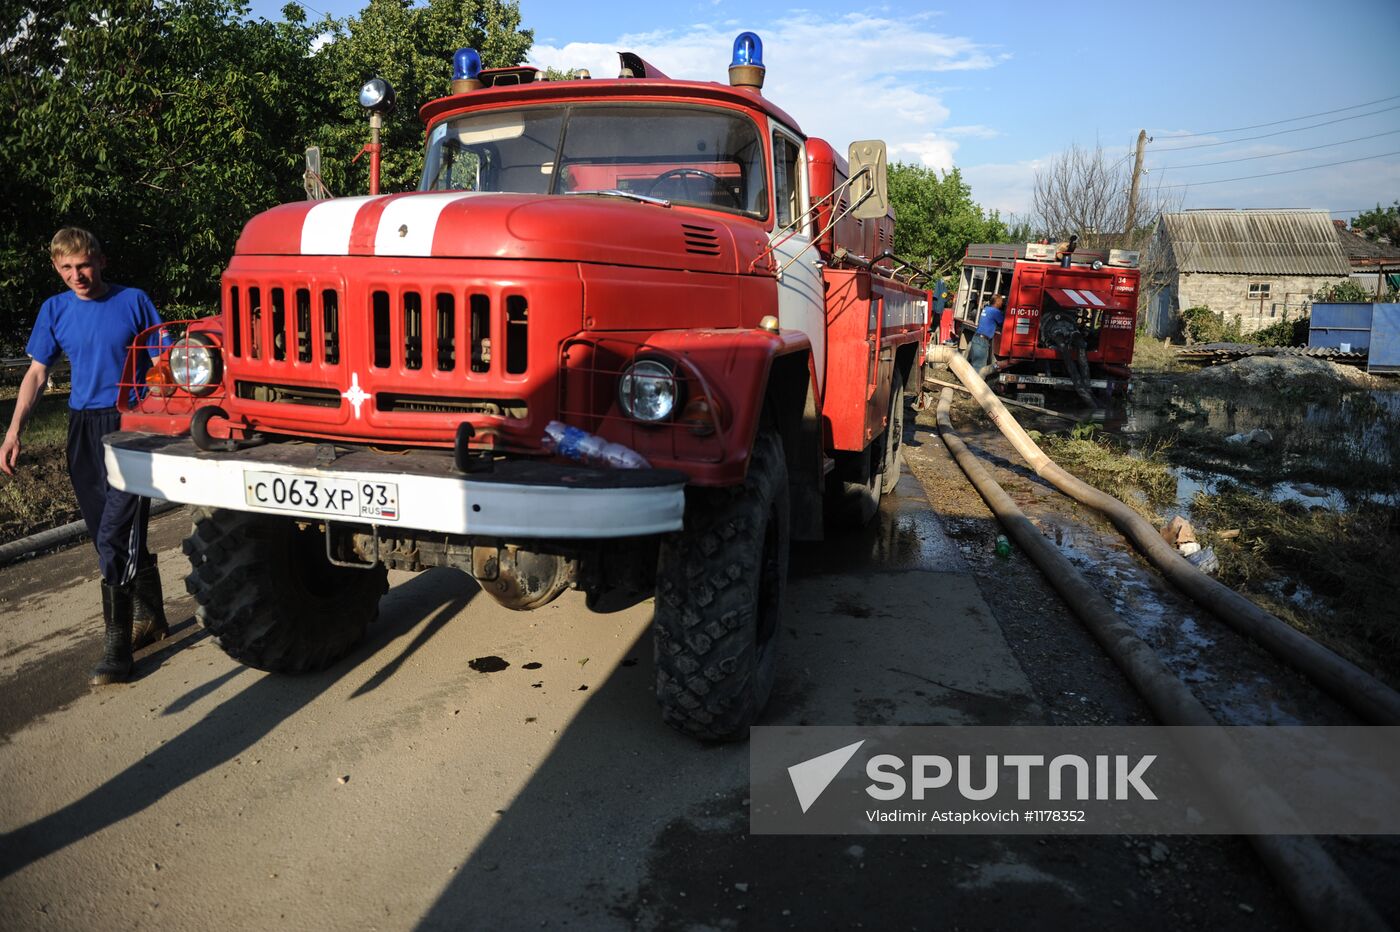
989, 320
95, 335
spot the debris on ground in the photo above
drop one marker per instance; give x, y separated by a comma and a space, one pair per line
1259, 437
1179, 531
1204, 560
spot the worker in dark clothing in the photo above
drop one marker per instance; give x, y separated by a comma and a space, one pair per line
979, 350
94, 323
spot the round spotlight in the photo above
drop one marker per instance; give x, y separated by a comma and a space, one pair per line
377, 96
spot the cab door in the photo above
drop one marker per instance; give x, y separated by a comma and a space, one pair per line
801, 299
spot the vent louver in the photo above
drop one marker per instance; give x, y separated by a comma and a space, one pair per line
702, 241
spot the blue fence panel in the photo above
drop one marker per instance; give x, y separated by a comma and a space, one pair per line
1385, 339
1335, 324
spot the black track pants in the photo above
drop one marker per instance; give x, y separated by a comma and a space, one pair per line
116, 520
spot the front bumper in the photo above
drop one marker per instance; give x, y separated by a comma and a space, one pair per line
518, 499
1056, 381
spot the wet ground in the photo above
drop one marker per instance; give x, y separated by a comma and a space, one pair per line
1322, 444
1239, 682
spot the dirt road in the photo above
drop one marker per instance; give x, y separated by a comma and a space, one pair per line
404, 789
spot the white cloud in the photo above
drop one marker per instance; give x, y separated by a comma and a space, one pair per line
1006, 186
858, 77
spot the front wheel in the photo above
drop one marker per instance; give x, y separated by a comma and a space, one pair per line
719, 601
270, 597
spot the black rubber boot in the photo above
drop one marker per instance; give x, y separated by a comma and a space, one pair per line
115, 666
148, 608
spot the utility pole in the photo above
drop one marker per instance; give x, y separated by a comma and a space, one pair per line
1133, 189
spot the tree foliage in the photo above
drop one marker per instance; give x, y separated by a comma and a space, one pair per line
1381, 223
160, 126
411, 48
163, 125
937, 217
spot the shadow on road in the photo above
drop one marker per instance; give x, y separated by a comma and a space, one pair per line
228, 730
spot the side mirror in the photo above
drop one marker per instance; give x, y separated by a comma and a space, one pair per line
869, 179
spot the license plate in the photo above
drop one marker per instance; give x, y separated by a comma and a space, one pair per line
334, 497
1031, 398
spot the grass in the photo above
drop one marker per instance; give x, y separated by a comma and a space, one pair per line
1151, 355
38, 495
1328, 573
1140, 479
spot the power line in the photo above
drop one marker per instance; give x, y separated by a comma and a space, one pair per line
1290, 171
1250, 158
1282, 132
1306, 116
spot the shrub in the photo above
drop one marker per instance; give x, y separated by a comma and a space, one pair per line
1202, 325
1283, 333
1345, 291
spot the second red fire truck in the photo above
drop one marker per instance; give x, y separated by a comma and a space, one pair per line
1070, 315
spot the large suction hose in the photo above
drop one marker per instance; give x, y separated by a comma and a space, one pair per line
1373, 700
1324, 895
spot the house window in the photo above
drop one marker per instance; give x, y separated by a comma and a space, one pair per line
1258, 291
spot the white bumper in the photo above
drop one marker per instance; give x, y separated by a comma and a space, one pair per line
519, 499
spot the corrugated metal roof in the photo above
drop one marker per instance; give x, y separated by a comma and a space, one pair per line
1360, 249
1255, 242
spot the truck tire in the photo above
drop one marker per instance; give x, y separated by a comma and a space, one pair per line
719, 600
853, 489
269, 596
894, 439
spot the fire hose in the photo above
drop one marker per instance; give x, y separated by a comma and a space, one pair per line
1324, 895
1371, 699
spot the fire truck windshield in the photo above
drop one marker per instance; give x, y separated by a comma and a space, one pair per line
687, 155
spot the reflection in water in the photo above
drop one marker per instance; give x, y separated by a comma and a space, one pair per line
1340, 448
904, 535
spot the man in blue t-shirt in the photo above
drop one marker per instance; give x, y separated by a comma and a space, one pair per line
94, 323
979, 350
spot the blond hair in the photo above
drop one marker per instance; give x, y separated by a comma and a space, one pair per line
74, 241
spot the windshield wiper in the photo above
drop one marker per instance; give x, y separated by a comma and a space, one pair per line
614, 192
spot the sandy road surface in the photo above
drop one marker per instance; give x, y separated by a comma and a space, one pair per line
403, 789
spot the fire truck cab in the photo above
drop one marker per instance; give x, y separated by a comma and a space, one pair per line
1070, 315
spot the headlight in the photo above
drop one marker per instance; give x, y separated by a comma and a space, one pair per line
647, 391
195, 364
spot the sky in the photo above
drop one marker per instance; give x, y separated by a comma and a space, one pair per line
1000, 90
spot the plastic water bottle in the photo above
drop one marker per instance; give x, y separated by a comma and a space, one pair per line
580, 446
1003, 546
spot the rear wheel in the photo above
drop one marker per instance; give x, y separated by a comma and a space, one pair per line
270, 597
853, 489
894, 438
719, 599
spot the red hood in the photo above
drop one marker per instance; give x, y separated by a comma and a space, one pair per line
575, 228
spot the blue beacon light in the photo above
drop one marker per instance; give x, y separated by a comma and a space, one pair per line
748, 50
466, 65
746, 69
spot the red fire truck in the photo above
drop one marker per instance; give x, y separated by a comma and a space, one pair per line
1070, 315
640, 272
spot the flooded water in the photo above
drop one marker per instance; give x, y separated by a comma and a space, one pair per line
1333, 449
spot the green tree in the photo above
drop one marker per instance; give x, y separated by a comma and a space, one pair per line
161, 126
1378, 223
936, 217
411, 48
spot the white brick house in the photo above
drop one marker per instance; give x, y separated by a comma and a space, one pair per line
1259, 265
